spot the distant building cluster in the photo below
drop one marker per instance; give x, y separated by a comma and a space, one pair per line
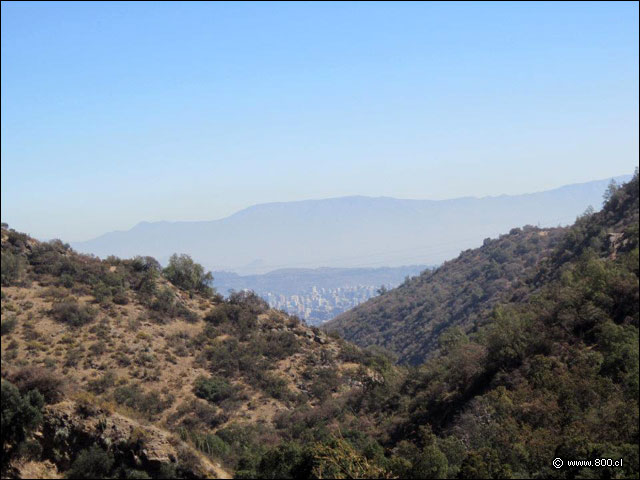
319, 305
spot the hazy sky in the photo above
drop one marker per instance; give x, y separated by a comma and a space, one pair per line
114, 113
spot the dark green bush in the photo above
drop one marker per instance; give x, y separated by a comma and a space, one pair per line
165, 302
150, 403
145, 264
13, 267
102, 384
183, 272
217, 315
29, 450
21, 414
213, 389
46, 381
248, 300
120, 297
72, 313
101, 292
197, 415
281, 345
145, 285
66, 280
7, 326
93, 462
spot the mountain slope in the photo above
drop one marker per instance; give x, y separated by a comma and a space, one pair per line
347, 232
550, 373
408, 320
165, 380
553, 375
127, 373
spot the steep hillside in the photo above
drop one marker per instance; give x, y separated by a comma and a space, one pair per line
551, 372
116, 368
148, 372
409, 320
554, 375
349, 231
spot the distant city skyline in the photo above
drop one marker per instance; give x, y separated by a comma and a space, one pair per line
117, 113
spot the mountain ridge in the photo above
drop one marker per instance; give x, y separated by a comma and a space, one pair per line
121, 369
346, 231
617, 178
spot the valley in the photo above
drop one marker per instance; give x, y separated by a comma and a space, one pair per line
316, 295
120, 367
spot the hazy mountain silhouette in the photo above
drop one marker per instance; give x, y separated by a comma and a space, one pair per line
352, 231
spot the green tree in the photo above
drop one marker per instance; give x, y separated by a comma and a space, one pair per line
21, 414
183, 272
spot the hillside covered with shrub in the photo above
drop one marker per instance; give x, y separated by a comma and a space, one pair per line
408, 320
119, 368
122, 368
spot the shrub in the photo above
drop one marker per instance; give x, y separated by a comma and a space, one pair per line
145, 264
101, 293
324, 381
73, 357
213, 389
55, 293
281, 345
47, 382
120, 297
149, 403
30, 450
49, 258
164, 302
197, 415
98, 348
223, 356
12, 268
66, 280
146, 285
102, 384
209, 443
21, 414
285, 461
183, 272
122, 359
8, 325
186, 313
218, 315
72, 313
249, 301
273, 385
93, 462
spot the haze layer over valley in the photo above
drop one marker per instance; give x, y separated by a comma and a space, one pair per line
349, 231
317, 294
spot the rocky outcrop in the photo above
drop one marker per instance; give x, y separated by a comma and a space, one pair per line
70, 427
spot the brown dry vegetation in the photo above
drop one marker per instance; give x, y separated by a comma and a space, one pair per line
141, 356
110, 370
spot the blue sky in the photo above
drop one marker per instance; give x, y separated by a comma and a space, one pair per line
115, 113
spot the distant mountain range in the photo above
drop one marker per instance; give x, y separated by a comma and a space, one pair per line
319, 294
461, 295
348, 231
